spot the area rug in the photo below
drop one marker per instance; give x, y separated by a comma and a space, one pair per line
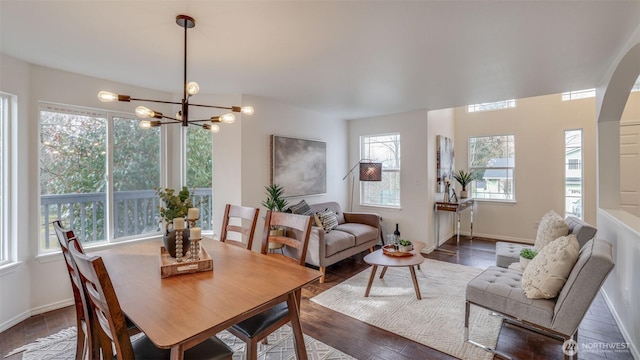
62, 346
436, 321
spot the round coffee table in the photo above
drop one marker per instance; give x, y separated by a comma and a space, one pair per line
378, 258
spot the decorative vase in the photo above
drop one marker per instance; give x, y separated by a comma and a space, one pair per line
169, 240
524, 262
463, 194
276, 232
405, 248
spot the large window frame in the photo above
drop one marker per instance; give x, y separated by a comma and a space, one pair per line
113, 203
7, 113
384, 148
574, 173
495, 164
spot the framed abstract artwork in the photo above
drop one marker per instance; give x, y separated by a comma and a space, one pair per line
444, 162
299, 165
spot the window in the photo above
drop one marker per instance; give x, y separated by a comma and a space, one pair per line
5, 191
573, 173
384, 149
76, 158
578, 94
199, 173
498, 105
493, 159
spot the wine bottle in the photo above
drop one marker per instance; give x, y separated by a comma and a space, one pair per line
396, 233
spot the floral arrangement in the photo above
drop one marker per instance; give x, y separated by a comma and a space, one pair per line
174, 205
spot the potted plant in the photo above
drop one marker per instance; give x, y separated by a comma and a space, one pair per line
404, 245
464, 178
174, 206
275, 202
525, 257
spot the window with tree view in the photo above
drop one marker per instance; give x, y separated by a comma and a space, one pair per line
384, 149
492, 158
199, 173
74, 165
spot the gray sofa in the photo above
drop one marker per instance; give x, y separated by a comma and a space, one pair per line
508, 253
356, 232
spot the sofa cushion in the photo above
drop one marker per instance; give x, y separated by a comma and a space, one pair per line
500, 289
545, 275
583, 231
361, 232
337, 241
301, 208
551, 227
331, 205
328, 219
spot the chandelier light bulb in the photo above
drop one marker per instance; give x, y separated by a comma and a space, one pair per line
144, 112
179, 115
193, 88
214, 128
247, 110
106, 96
228, 118
144, 124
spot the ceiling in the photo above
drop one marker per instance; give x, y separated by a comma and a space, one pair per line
349, 59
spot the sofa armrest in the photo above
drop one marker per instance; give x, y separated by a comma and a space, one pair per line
316, 251
370, 219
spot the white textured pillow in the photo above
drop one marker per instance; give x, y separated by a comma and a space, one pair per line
546, 274
551, 227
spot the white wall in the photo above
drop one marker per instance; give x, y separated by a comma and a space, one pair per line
538, 124
418, 130
273, 118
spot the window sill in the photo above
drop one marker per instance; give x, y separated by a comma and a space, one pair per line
496, 201
9, 268
47, 257
386, 207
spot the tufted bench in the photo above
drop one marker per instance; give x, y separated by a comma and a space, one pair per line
508, 252
500, 290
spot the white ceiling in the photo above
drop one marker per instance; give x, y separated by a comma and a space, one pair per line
351, 59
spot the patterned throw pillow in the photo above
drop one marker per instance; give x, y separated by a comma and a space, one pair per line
546, 274
301, 208
551, 227
328, 219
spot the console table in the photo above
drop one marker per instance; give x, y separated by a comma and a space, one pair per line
457, 208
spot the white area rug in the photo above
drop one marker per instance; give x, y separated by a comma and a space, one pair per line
62, 346
436, 321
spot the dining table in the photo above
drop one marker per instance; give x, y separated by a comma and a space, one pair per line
181, 311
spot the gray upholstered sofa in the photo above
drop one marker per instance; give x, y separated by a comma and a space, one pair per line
508, 253
500, 290
356, 232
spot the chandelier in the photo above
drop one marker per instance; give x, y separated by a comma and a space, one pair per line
189, 89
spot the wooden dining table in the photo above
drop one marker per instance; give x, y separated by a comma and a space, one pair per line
179, 312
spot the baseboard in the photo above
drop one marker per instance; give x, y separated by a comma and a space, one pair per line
15, 321
35, 311
633, 347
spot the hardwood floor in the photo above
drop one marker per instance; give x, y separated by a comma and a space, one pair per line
364, 341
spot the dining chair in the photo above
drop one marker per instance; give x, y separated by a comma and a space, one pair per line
109, 325
83, 345
244, 215
295, 241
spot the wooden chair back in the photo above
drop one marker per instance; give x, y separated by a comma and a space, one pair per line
109, 321
65, 238
296, 234
248, 218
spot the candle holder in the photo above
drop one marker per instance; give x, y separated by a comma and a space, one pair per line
179, 245
192, 222
195, 250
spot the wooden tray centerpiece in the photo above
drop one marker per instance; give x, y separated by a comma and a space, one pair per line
390, 250
170, 267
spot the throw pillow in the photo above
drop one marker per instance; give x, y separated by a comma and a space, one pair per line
546, 274
551, 227
301, 208
316, 220
328, 219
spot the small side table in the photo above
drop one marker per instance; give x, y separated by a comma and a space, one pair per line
457, 208
378, 258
